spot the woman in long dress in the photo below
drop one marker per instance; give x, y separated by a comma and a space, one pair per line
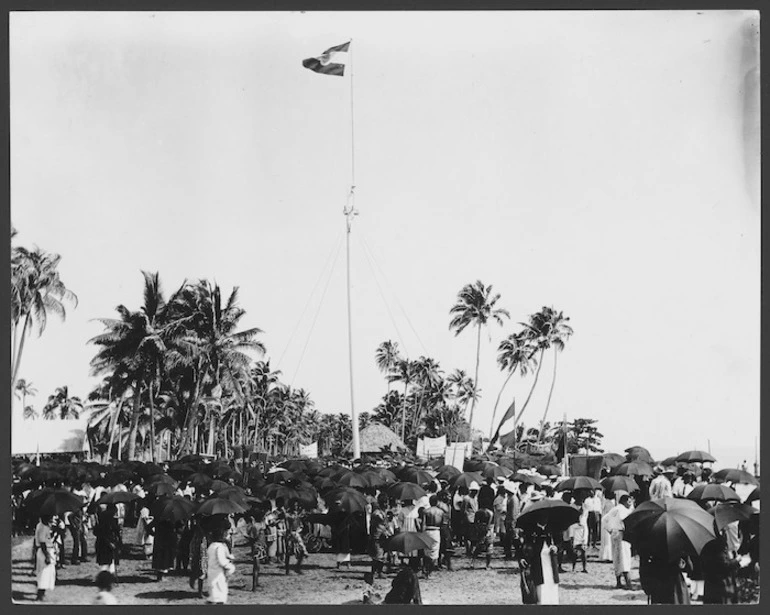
220, 566
605, 545
198, 556
164, 548
144, 531
45, 558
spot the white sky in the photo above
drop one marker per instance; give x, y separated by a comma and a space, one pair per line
604, 163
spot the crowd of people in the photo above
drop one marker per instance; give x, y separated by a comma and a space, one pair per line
478, 520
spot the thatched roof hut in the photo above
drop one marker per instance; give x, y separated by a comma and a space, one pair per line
376, 438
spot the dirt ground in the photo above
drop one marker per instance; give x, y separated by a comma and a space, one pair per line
321, 582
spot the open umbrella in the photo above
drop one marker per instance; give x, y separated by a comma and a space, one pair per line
280, 476
294, 465
612, 460
387, 476
495, 471
232, 493
578, 482
199, 480
713, 491
220, 506
118, 497
638, 452
374, 479
406, 491
418, 476
145, 470
294, 491
699, 456
44, 475
465, 479
180, 471
351, 479
728, 512
733, 475
161, 489
407, 542
344, 499
557, 515
117, 477
52, 502
530, 479
218, 485
633, 468
172, 508
669, 528
620, 483
668, 461
158, 479
447, 472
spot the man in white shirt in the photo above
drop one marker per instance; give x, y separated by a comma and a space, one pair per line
592, 509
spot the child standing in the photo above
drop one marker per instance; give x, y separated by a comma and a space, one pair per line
220, 566
578, 533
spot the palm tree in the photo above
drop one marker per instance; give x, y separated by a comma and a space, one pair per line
475, 306
464, 388
386, 356
514, 353
30, 413
61, 405
403, 371
36, 292
558, 334
23, 389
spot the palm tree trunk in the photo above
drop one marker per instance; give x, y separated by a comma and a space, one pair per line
476, 376
16, 360
152, 426
134, 423
550, 392
497, 401
531, 390
403, 411
115, 423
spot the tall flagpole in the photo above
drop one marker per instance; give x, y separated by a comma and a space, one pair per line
350, 211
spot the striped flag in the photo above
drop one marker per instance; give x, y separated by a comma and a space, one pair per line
330, 62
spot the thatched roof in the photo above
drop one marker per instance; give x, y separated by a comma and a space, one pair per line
376, 438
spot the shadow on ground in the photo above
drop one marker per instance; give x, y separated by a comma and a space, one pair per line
169, 594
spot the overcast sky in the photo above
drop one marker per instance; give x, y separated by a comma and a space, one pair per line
603, 163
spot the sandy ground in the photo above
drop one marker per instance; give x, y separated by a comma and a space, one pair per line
321, 582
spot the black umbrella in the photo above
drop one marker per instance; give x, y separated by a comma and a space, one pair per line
753, 496
295, 491
161, 489
728, 512
578, 482
351, 479
733, 475
120, 476
447, 472
52, 502
180, 471
220, 506
549, 470
529, 479
118, 497
407, 542
172, 508
199, 480
465, 479
669, 527
620, 483
406, 491
418, 476
145, 470
556, 515
233, 493
218, 485
713, 491
699, 456
344, 499
633, 468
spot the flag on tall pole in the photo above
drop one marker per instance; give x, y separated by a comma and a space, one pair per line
330, 62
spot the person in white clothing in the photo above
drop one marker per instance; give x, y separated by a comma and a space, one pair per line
220, 566
660, 486
621, 550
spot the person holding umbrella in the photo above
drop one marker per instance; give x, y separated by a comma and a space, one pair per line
539, 567
621, 550
45, 558
718, 570
164, 547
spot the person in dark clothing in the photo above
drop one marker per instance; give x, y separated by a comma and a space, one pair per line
164, 548
378, 533
406, 587
107, 532
718, 570
487, 495
183, 550
662, 580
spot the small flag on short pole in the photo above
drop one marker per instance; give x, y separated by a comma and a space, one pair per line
330, 62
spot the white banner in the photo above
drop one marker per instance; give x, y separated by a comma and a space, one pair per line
431, 447
309, 450
456, 452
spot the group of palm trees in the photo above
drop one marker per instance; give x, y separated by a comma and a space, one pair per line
179, 376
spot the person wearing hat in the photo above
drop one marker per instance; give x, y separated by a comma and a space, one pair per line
660, 486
